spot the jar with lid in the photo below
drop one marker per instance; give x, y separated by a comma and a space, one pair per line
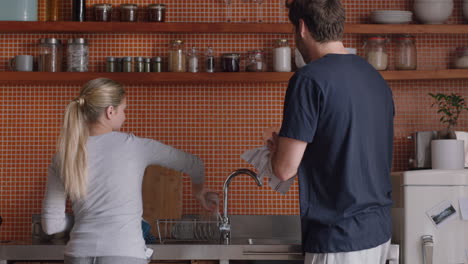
282, 56
177, 61
192, 60
256, 61
127, 65
156, 12
50, 55
376, 52
103, 12
209, 60
406, 56
128, 12
230, 62
157, 64
138, 64
147, 63
461, 60
77, 55
111, 64
52, 10
79, 10
119, 64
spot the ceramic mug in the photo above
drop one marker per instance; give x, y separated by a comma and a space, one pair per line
22, 63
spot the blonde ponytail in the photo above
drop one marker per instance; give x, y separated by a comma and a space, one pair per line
94, 98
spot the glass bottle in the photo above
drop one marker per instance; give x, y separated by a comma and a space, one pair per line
52, 10
103, 12
256, 61
406, 55
230, 62
138, 64
111, 64
157, 64
127, 64
128, 12
177, 61
50, 55
209, 60
282, 56
79, 10
192, 60
156, 12
376, 52
77, 55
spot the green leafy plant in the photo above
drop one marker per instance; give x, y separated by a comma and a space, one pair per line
450, 106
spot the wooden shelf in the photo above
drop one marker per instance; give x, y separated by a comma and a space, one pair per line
266, 28
203, 77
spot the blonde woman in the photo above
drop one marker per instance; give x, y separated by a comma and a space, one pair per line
101, 171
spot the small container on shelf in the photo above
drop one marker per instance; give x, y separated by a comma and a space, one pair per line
406, 55
147, 64
192, 60
230, 62
256, 61
376, 52
209, 60
157, 65
282, 56
79, 10
127, 65
177, 60
461, 60
128, 12
77, 55
139, 64
111, 64
50, 55
119, 64
102, 12
52, 10
157, 12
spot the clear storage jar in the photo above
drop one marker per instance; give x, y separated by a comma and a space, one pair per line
376, 52
52, 10
128, 12
102, 12
282, 56
406, 55
177, 60
77, 55
461, 60
230, 62
156, 12
50, 55
256, 61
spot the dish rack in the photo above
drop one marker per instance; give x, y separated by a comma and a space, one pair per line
188, 230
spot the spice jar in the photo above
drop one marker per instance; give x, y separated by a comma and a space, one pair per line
50, 55
256, 61
209, 60
128, 12
138, 64
376, 52
79, 10
230, 62
157, 64
192, 60
119, 65
282, 56
127, 64
103, 12
406, 56
177, 62
147, 63
461, 60
77, 55
157, 12
52, 10
111, 64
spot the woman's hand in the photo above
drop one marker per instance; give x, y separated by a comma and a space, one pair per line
201, 194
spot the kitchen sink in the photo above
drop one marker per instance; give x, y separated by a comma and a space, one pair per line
264, 241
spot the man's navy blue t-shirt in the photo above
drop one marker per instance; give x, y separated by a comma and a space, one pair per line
341, 106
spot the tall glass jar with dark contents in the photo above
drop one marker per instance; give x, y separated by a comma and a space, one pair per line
230, 62
50, 55
79, 10
157, 12
128, 12
52, 10
103, 12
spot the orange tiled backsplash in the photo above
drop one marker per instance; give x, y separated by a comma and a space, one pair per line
215, 121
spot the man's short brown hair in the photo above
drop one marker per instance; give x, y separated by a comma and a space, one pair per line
324, 18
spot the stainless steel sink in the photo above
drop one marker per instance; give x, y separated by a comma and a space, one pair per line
265, 241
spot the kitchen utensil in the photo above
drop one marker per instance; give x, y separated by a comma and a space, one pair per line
162, 194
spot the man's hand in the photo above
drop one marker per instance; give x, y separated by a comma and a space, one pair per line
200, 193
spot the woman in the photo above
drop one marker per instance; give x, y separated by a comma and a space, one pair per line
101, 171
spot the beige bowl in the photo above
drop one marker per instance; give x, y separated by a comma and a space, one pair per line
433, 12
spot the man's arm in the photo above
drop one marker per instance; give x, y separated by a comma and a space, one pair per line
286, 156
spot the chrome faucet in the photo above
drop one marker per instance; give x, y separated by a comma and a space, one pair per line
225, 227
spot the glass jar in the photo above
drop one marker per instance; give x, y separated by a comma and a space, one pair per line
256, 61
282, 56
128, 12
192, 60
119, 64
157, 12
157, 64
461, 60
103, 12
127, 64
77, 55
138, 64
376, 52
230, 62
147, 63
177, 61
50, 55
52, 10
111, 64
79, 10
209, 60
406, 56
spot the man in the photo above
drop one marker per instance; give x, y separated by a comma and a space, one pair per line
337, 137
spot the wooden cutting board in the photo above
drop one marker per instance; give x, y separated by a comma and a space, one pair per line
162, 194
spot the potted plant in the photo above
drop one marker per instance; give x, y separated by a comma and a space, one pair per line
447, 152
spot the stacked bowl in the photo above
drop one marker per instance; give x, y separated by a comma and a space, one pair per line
391, 16
433, 11
465, 9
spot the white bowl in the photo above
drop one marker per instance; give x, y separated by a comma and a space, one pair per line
465, 10
430, 12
